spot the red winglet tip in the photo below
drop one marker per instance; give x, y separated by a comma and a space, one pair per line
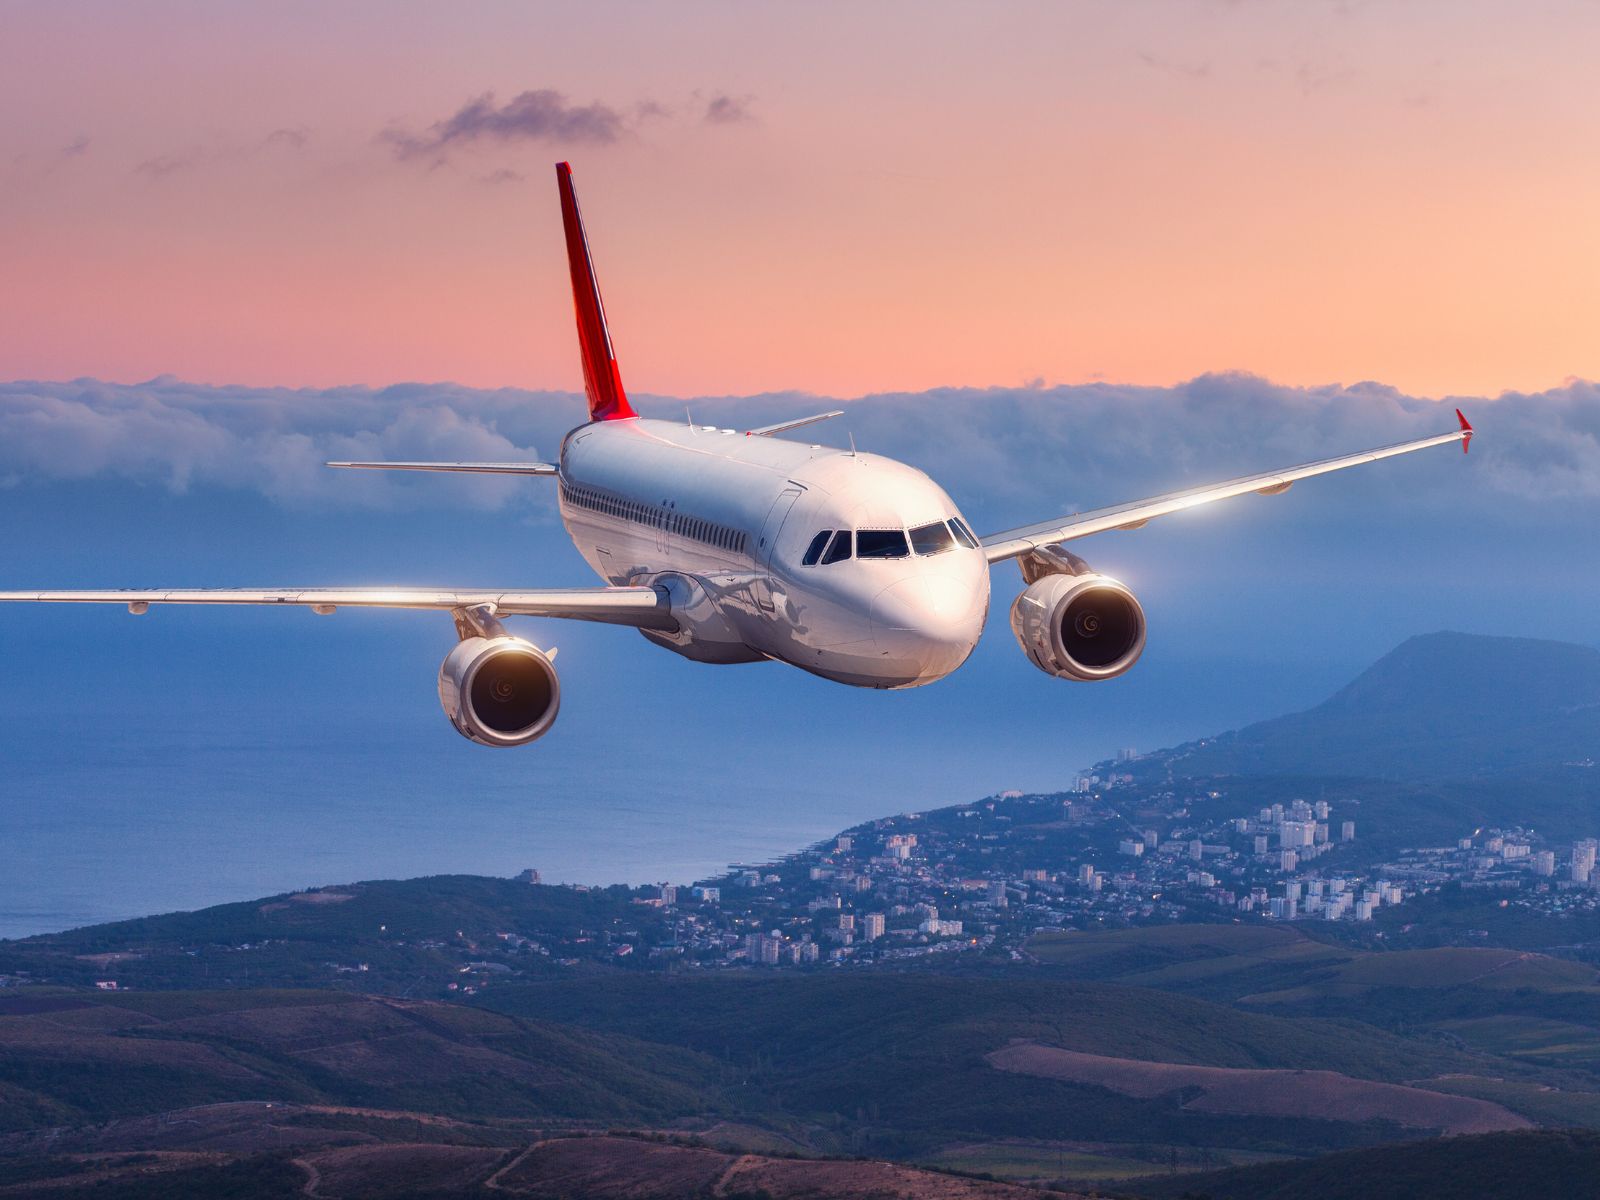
1466, 432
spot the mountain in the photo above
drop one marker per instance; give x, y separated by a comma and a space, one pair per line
1440, 706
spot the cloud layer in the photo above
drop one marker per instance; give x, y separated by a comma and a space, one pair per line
998, 450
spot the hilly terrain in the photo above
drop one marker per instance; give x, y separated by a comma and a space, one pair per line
1543, 1163
272, 1151
1040, 1004
1439, 707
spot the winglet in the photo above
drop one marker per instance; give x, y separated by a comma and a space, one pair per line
1466, 432
601, 378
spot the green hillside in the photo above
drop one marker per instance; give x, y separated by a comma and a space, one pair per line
380, 936
69, 1058
1529, 1165
901, 1058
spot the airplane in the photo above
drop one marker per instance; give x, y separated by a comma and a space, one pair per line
738, 545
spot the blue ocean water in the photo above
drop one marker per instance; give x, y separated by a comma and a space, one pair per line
137, 779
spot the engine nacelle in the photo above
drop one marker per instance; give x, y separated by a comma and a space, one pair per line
1084, 627
499, 691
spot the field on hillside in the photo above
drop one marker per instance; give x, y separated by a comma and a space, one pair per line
1083, 1163
1322, 1095
1525, 1165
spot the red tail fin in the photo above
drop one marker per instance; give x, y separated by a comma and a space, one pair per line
601, 379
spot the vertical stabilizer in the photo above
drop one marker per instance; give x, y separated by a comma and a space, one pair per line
601, 378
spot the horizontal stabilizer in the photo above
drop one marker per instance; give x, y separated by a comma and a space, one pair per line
785, 426
469, 467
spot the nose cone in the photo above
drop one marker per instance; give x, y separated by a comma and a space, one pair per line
927, 625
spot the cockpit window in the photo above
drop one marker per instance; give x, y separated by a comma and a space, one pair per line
881, 543
932, 539
814, 551
839, 550
963, 534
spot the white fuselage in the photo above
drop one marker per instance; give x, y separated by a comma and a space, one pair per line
724, 521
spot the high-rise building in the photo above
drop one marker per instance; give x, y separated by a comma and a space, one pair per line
763, 948
1583, 855
1288, 860
1294, 834
1262, 843
1347, 831
995, 893
872, 926
1544, 863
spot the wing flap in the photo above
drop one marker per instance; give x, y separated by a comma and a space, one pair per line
998, 547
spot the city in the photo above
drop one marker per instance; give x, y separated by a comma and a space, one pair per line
980, 879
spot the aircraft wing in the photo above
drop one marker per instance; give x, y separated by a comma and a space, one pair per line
1012, 542
641, 607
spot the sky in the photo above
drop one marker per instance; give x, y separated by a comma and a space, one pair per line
838, 198
1057, 255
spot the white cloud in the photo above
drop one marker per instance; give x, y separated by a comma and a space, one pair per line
1064, 447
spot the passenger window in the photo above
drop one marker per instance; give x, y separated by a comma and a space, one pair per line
814, 551
839, 550
963, 534
931, 539
881, 543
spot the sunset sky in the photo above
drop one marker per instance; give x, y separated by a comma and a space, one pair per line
838, 198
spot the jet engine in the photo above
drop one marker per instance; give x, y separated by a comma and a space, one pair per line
499, 691
1083, 626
